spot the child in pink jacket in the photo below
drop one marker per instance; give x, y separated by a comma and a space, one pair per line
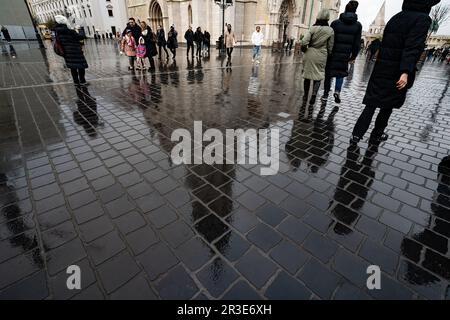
129, 47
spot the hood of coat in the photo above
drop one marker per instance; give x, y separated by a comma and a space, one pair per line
419, 5
61, 28
348, 17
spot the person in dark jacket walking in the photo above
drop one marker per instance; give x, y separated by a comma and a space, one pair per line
395, 69
373, 48
161, 38
198, 38
6, 34
207, 41
135, 29
172, 41
189, 37
150, 43
347, 42
73, 53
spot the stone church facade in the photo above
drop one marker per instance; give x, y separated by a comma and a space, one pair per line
278, 19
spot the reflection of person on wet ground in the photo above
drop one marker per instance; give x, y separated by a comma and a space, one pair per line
430, 246
356, 178
303, 146
86, 115
16, 222
199, 75
12, 51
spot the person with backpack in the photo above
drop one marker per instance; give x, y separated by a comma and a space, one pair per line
395, 69
67, 44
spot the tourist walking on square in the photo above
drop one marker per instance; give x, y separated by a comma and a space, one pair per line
347, 43
395, 69
230, 40
189, 37
198, 38
318, 43
257, 41
162, 43
129, 48
6, 34
150, 43
72, 51
207, 42
172, 41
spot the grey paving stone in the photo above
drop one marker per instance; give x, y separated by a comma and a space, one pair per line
264, 237
217, 276
136, 289
177, 285
118, 271
284, 287
105, 247
257, 276
157, 260
194, 253
319, 278
291, 257
241, 291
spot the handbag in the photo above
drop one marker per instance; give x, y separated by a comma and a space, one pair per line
57, 47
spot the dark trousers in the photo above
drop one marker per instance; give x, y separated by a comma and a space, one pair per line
199, 48
190, 46
78, 75
160, 50
174, 52
229, 52
132, 60
365, 119
307, 85
152, 63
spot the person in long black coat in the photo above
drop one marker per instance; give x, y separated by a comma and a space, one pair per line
73, 52
162, 43
395, 69
198, 38
189, 37
150, 44
347, 43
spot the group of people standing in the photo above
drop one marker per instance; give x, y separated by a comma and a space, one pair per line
140, 42
201, 39
329, 49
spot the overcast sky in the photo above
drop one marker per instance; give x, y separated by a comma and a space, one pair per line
368, 10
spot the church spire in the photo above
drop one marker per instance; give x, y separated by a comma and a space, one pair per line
380, 19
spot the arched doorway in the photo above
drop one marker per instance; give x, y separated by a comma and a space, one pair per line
285, 20
155, 14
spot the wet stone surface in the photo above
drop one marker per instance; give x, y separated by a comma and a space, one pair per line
86, 178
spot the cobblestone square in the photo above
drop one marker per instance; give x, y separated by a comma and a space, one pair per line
87, 179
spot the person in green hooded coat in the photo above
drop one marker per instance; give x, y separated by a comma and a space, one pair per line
319, 42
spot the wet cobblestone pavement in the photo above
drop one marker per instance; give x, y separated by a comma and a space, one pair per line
86, 179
